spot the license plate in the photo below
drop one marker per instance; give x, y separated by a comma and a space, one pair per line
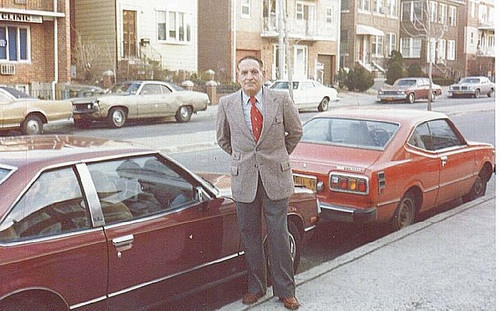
305, 181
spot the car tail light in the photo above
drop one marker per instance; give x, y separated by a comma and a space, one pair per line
348, 183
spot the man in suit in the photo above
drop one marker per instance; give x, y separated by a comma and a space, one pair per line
261, 176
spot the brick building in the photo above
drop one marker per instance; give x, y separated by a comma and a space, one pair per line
35, 45
230, 29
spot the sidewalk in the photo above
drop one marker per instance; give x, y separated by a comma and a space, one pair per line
446, 262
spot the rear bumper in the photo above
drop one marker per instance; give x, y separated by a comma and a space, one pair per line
348, 214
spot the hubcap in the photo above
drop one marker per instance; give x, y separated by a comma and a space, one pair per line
32, 127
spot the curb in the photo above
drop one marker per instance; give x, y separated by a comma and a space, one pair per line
360, 252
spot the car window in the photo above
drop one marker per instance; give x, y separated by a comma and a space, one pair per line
52, 205
435, 135
4, 98
138, 187
151, 89
5, 172
166, 90
349, 132
405, 83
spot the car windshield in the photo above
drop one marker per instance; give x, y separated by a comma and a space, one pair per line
469, 80
176, 87
283, 85
125, 88
16, 93
365, 134
406, 83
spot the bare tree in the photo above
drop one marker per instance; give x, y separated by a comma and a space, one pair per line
91, 59
419, 20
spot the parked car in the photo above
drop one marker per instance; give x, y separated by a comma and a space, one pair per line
308, 94
473, 87
81, 90
139, 99
409, 90
92, 224
19, 110
386, 165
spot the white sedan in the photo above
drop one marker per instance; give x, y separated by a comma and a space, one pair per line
308, 93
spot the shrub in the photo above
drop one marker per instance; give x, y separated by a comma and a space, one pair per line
359, 79
414, 70
395, 67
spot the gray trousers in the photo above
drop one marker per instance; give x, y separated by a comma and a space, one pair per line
250, 217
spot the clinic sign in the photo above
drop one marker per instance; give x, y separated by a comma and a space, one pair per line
19, 17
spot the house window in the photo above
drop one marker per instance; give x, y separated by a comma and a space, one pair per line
412, 11
392, 7
410, 47
451, 50
364, 5
390, 43
14, 44
377, 6
441, 50
245, 8
377, 46
329, 15
442, 13
433, 14
174, 26
472, 9
452, 16
300, 11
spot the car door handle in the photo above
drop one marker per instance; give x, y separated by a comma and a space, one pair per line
444, 159
123, 243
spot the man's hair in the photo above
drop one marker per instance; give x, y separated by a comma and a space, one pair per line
255, 58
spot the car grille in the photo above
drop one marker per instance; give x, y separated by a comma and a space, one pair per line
390, 92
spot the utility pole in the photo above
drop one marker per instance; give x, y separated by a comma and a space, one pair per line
281, 38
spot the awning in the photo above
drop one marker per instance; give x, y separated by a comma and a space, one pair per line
368, 30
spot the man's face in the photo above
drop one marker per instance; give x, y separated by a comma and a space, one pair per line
250, 76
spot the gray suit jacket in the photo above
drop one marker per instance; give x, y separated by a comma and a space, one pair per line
268, 157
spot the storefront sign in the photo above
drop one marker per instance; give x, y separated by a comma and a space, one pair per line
19, 17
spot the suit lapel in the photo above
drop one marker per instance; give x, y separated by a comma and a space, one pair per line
238, 115
270, 110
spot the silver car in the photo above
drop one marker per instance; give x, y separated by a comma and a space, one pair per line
136, 100
472, 86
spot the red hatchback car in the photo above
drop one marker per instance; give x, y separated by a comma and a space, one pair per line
93, 224
386, 165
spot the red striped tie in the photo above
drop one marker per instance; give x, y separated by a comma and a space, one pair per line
256, 118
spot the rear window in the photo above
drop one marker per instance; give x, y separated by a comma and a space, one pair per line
5, 172
349, 132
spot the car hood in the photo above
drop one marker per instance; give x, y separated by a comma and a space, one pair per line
322, 158
395, 88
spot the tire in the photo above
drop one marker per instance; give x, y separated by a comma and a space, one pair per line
478, 188
476, 94
490, 93
295, 246
117, 117
323, 105
184, 114
32, 125
411, 98
405, 213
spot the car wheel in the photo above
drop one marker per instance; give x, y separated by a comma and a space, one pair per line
32, 125
323, 105
476, 94
117, 117
405, 213
82, 123
490, 93
478, 188
411, 98
295, 245
183, 114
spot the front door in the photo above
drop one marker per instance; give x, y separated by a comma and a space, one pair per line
129, 33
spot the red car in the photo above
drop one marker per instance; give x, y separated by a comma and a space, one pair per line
409, 90
93, 224
387, 165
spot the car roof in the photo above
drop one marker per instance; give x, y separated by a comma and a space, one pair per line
45, 150
389, 114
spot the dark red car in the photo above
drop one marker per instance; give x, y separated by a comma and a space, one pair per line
93, 224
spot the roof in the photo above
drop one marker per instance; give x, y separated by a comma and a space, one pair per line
387, 114
19, 151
